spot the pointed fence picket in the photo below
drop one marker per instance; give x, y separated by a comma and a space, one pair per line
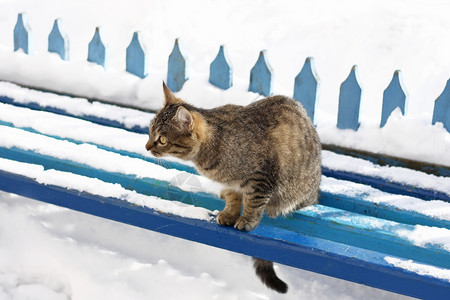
349, 102
221, 71
58, 41
441, 111
137, 58
306, 83
306, 87
22, 34
98, 51
177, 69
261, 76
394, 96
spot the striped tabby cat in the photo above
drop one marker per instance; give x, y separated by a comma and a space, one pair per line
267, 155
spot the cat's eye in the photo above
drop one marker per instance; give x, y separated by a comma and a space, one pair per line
162, 140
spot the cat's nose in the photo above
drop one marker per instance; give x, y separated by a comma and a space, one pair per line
148, 146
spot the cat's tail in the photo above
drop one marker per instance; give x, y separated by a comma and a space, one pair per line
264, 270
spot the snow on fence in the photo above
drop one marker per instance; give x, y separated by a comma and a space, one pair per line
261, 75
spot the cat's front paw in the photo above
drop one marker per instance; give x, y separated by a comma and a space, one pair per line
245, 224
226, 219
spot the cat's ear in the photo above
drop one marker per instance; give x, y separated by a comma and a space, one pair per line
184, 119
170, 98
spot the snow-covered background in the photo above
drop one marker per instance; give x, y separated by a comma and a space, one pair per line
379, 36
53, 253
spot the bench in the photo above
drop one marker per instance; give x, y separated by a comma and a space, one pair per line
377, 230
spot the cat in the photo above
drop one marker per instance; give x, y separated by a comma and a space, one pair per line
267, 155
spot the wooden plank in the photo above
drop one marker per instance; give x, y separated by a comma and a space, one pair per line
275, 244
349, 102
441, 111
177, 69
394, 96
58, 42
221, 71
376, 182
98, 52
23, 35
334, 224
306, 86
137, 58
261, 76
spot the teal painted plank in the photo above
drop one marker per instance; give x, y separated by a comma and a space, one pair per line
58, 41
221, 71
394, 96
137, 58
441, 111
98, 52
261, 76
356, 204
23, 35
324, 222
349, 102
306, 86
177, 70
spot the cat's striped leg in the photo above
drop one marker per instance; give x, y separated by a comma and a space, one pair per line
232, 210
254, 205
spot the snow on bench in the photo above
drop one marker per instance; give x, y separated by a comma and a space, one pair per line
387, 227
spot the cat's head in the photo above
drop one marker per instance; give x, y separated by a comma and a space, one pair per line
175, 130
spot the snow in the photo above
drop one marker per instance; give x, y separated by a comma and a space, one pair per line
95, 186
379, 36
91, 156
432, 208
419, 268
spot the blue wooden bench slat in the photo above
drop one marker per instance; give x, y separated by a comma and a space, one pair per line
275, 244
317, 226
378, 183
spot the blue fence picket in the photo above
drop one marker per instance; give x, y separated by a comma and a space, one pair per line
261, 76
349, 102
441, 112
177, 71
137, 57
98, 51
22, 34
58, 41
221, 71
394, 96
306, 86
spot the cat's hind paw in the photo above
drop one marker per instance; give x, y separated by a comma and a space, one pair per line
226, 219
244, 224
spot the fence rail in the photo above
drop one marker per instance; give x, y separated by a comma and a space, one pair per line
306, 83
